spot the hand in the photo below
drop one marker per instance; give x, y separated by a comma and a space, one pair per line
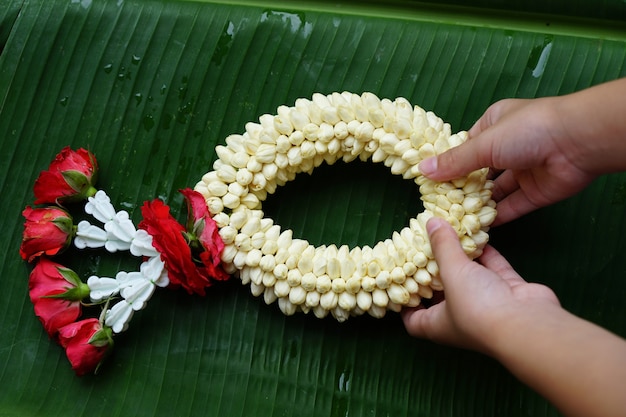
478, 297
533, 158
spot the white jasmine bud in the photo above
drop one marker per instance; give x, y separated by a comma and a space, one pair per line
228, 254
472, 204
269, 279
420, 260
307, 150
364, 300
240, 159
237, 189
228, 234
287, 308
397, 275
285, 239
281, 271
486, 215
294, 277
267, 263
425, 292
398, 294
265, 153
380, 297
230, 201
240, 259
329, 300
333, 267
353, 285
368, 284
338, 285
432, 267
269, 247
308, 281
346, 301
227, 174
411, 285
242, 242
383, 279
269, 296
423, 277
281, 288
340, 131
330, 115
250, 201
244, 177
323, 284
297, 295
217, 188
312, 299
399, 166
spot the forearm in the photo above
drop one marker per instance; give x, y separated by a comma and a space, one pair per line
578, 366
595, 120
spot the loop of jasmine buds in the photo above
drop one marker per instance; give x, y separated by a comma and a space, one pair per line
330, 280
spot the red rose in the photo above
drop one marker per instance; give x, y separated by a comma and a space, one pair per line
201, 225
173, 242
86, 344
70, 177
55, 291
47, 231
168, 238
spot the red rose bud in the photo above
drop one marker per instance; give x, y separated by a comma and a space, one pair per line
86, 344
47, 231
55, 291
70, 177
202, 228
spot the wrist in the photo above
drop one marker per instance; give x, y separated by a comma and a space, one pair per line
593, 127
520, 325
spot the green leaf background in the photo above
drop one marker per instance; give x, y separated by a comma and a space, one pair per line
152, 86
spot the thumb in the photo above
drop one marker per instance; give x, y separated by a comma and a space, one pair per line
448, 252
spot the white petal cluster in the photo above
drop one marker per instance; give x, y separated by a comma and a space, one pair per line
135, 289
343, 281
119, 233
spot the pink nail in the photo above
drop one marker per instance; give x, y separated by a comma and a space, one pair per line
428, 166
433, 224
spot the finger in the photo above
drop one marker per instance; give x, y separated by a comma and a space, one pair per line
494, 173
504, 185
513, 206
424, 323
459, 161
494, 261
448, 251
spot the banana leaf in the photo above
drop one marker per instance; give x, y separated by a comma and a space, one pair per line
151, 87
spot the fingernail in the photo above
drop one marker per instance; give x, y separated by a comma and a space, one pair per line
428, 166
433, 224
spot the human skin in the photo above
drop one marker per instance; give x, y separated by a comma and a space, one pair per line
540, 151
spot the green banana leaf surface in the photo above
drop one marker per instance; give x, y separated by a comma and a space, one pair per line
151, 87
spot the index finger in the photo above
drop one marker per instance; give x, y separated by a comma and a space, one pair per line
459, 161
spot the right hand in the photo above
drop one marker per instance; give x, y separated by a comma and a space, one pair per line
524, 142
480, 297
